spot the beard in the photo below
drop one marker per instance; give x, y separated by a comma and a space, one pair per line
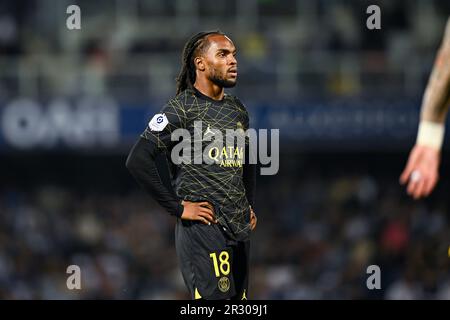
220, 80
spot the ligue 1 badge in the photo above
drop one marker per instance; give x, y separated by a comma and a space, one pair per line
158, 122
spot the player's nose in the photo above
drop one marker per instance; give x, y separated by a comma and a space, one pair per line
233, 60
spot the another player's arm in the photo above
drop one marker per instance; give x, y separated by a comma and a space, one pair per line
421, 171
436, 99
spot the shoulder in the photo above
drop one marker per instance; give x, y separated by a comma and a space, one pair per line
242, 109
184, 100
236, 101
179, 104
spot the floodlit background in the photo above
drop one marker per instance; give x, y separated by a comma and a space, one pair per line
346, 100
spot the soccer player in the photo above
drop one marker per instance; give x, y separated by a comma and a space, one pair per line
212, 201
421, 172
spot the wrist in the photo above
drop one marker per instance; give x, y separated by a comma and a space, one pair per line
430, 134
180, 209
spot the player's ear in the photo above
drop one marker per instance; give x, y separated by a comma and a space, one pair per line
199, 63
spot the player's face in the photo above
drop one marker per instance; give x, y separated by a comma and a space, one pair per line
220, 61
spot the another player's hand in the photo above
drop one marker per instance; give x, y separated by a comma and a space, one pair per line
199, 211
253, 219
422, 171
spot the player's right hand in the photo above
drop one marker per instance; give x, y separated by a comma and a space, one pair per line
198, 211
422, 171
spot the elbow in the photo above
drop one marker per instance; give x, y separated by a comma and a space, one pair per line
140, 157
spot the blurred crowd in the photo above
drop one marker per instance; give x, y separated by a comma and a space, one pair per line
287, 49
321, 232
321, 224
318, 232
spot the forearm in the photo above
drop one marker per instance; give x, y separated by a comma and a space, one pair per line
436, 100
142, 166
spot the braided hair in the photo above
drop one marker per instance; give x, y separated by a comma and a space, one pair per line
195, 44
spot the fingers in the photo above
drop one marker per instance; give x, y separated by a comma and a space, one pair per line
199, 218
203, 217
253, 222
408, 170
405, 175
421, 182
253, 219
206, 204
417, 188
428, 186
416, 184
422, 187
209, 216
412, 162
199, 211
421, 172
206, 211
412, 186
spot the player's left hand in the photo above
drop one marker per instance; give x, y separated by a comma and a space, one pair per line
421, 171
253, 219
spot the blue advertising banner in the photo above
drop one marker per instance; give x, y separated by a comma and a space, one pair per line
104, 124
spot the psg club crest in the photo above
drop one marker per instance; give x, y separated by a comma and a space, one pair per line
224, 284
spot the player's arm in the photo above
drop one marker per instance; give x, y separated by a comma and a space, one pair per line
249, 174
141, 163
421, 171
249, 177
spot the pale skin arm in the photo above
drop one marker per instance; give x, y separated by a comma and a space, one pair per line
253, 219
436, 101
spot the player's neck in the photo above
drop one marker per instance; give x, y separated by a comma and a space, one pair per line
209, 89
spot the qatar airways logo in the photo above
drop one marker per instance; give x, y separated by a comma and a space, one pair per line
208, 145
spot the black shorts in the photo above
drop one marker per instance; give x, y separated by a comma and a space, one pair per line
213, 265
